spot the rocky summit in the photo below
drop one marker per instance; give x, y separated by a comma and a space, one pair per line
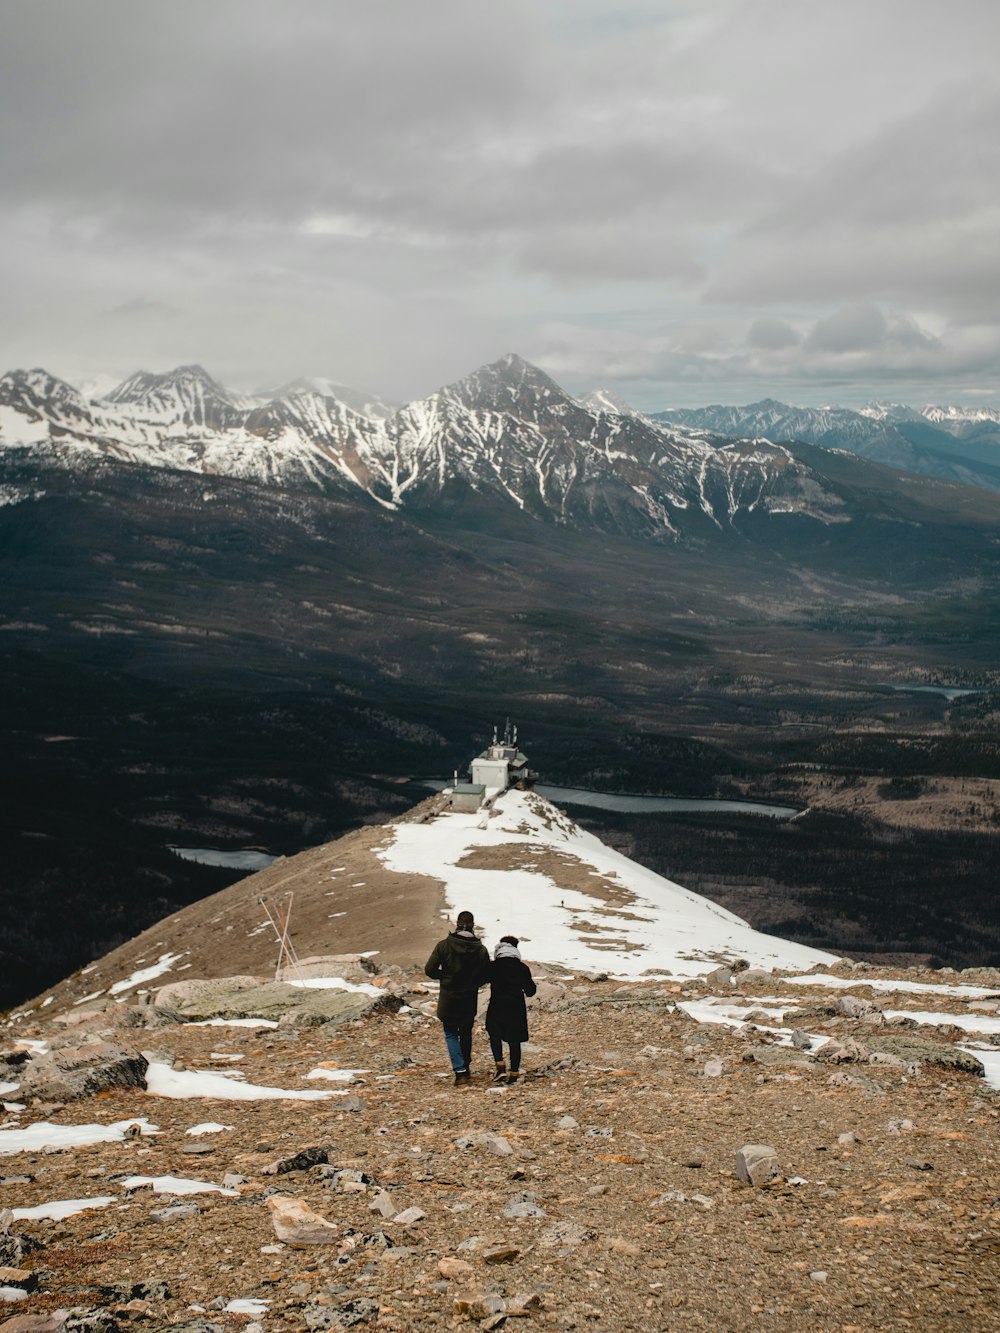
202, 1137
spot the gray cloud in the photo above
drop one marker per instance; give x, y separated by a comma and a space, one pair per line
388, 196
771, 333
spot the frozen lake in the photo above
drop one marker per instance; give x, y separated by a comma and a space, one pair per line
629, 804
246, 859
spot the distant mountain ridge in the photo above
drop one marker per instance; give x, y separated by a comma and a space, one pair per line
507, 431
956, 443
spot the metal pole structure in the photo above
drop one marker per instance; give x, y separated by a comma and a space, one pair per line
281, 929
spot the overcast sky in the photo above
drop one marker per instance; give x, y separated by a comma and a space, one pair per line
685, 201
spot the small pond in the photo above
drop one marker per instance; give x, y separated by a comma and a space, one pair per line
948, 692
245, 859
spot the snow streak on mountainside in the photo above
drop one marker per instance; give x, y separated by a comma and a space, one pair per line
507, 431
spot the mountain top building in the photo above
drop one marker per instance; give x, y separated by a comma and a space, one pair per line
501, 765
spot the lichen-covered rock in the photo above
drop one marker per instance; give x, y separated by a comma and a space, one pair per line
853, 1006
842, 1052
246, 997
922, 1050
775, 1055
71, 1072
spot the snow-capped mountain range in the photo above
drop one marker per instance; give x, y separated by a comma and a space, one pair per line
957, 443
507, 432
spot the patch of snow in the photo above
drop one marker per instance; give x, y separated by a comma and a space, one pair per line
256, 1306
337, 1075
659, 923
163, 964
878, 984
92, 996
336, 983
43, 1134
207, 1127
8, 1087
176, 1185
60, 1208
32, 1046
714, 1009
985, 1023
233, 1023
989, 1056
225, 1055
162, 1081
15, 428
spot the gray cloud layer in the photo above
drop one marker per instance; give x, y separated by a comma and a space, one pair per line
685, 200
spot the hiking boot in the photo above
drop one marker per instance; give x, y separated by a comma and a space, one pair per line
512, 1077
501, 1072
462, 1078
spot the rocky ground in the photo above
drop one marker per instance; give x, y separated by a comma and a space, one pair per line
600, 1192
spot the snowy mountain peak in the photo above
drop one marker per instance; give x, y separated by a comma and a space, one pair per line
509, 385
368, 405
144, 385
603, 400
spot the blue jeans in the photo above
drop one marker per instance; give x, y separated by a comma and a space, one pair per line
459, 1043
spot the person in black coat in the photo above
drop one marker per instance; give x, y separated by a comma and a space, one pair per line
507, 1015
461, 963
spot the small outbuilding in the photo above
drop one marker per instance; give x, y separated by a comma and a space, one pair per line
467, 796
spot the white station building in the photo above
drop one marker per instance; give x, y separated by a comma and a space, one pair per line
501, 765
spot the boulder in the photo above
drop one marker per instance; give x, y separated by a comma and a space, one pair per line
889, 1061
246, 997
548, 995
922, 1050
853, 1006
75, 1071
298, 1225
721, 977
452, 1268
842, 1052
757, 1164
349, 966
494, 1143
303, 1160
35, 1323
749, 975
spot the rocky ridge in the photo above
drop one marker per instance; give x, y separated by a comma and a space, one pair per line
507, 431
649, 1169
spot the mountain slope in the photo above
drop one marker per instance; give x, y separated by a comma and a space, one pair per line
956, 444
525, 868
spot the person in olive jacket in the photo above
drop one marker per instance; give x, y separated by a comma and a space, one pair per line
461, 964
507, 1015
